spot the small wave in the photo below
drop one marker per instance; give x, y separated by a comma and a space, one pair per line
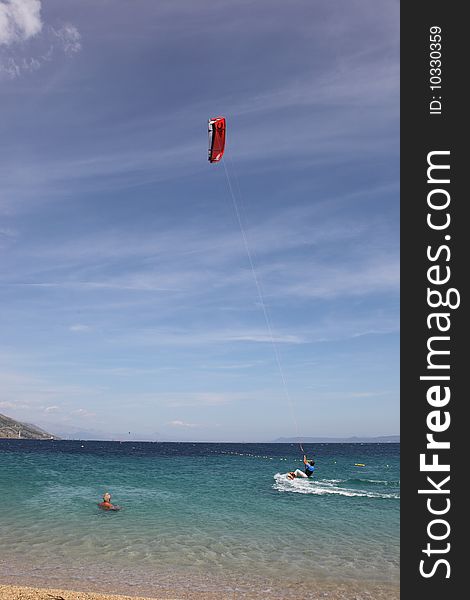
363, 481
323, 487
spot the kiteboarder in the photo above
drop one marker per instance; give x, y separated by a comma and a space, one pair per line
308, 472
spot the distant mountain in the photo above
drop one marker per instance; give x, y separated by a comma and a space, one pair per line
382, 439
76, 433
9, 428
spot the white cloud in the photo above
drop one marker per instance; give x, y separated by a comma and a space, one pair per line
181, 424
26, 42
79, 328
19, 20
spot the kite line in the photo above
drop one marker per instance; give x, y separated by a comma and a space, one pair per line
261, 297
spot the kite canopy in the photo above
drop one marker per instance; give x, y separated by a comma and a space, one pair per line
216, 138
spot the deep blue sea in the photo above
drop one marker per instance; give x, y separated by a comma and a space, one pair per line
201, 517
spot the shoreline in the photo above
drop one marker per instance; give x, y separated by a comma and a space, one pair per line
20, 592
17, 592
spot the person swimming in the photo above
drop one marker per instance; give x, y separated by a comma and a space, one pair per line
106, 504
308, 472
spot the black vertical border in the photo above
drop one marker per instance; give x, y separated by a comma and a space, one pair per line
421, 133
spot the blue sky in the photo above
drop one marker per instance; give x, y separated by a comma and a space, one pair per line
128, 302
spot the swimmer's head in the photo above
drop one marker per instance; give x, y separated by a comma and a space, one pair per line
107, 497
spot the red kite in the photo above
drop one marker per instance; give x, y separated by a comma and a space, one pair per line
216, 138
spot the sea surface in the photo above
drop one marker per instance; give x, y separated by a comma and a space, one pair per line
201, 517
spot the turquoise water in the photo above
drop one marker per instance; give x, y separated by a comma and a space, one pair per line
203, 517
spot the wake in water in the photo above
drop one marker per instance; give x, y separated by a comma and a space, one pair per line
332, 486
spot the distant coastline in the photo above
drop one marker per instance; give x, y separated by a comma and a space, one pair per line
382, 439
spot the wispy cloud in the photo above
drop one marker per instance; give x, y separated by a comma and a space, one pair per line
80, 328
7, 405
69, 38
371, 394
38, 393
83, 413
202, 337
208, 261
359, 278
182, 424
200, 399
